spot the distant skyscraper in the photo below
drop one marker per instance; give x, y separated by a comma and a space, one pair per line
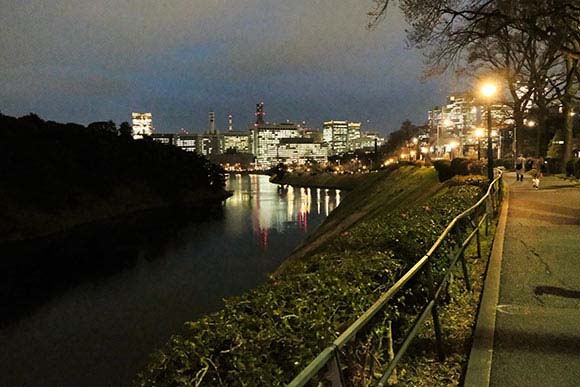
260, 113
230, 123
142, 125
353, 131
211, 128
335, 134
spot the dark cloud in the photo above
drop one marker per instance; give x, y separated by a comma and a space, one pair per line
307, 60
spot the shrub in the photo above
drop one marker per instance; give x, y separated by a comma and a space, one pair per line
577, 168
460, 166
506, 163
443, 168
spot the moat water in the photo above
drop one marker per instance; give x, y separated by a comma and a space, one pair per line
88, 309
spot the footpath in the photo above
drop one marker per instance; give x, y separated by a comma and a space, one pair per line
528, 329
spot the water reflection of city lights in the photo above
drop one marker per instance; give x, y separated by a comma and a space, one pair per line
277, 208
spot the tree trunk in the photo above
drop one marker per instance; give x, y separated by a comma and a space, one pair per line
568, 110
519, 128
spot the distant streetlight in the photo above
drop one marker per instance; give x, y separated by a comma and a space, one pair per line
452, 146
479, 134
488, 91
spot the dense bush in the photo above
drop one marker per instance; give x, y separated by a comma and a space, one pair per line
577, 168
443, 168
506, 163
460, 166
267, 336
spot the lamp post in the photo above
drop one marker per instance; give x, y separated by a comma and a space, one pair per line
478, 135
488, 91
415, 148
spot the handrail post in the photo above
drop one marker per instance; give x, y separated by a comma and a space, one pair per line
489, 211
478, 239
334, 374
459, 238
435, 313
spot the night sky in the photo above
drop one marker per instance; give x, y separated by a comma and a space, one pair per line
307, 60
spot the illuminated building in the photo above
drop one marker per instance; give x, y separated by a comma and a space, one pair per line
335, 134
266, 140
164, 138
353, 131
142, 125
187, 142
456, 122
300, 150
236, 140
210, 144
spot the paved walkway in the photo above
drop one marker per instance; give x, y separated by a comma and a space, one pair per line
528, 331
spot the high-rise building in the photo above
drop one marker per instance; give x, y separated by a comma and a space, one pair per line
142, 125
211, 123
335, 134
353, 131
453, 125
260, 113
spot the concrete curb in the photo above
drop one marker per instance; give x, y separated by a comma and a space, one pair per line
480, 359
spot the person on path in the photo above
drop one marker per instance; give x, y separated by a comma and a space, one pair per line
520, 168
538, 174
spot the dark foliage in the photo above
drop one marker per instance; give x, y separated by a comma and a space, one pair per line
400, 137
443, 168
51, 165
460, 166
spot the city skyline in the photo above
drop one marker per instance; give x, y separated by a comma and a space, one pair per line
307, 62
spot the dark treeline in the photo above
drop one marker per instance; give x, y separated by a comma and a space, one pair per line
69, 170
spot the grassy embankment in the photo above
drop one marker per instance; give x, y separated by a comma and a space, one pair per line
267, 336
322, 180
58, 176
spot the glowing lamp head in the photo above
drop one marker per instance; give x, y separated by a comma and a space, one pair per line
488, 90
478, 132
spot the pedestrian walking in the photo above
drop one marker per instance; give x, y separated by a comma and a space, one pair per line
537, 172
520, 168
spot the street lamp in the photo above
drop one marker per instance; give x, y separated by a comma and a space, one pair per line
452, 146
488, 91
478, 135
415, 143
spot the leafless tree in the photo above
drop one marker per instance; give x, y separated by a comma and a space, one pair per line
530, 43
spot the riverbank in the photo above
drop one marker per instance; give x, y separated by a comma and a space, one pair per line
57, 176
21, 221
321, 180
268, 335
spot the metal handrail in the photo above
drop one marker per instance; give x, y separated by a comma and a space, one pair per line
331, 353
